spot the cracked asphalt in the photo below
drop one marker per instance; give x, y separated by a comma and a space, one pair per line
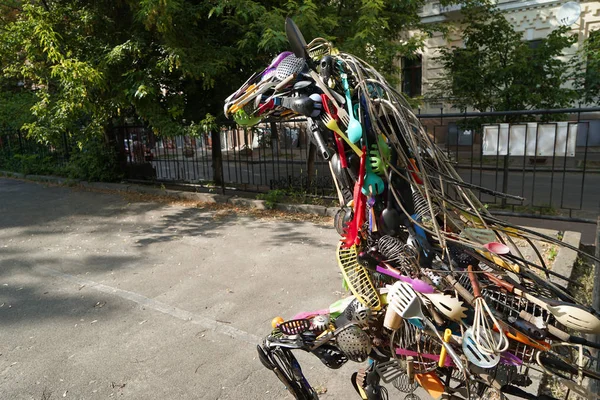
105, 298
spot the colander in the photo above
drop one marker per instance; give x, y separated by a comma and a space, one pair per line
354, 343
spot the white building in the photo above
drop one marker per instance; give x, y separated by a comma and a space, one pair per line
534, 18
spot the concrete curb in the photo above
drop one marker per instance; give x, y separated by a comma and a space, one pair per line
565, 259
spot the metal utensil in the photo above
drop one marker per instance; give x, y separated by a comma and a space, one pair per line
570, 315
404, 301
354, 343
484, 321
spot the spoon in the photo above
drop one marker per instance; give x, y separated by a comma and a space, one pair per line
354, 128
390, 219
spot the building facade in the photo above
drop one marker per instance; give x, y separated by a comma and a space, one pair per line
534, 18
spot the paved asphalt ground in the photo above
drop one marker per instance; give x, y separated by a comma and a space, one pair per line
101, 298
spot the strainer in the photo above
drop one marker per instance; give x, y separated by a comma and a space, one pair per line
288, 66
357, 278
320, 322
295, 326
358, 313
354, 343
409, 341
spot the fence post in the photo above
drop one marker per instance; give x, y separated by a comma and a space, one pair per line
217, 158
275, 136
505, 176
310, 165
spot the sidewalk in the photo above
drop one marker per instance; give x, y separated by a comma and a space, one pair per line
101, 297
149, 300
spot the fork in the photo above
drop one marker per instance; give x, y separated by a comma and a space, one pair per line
343, 116
332, 124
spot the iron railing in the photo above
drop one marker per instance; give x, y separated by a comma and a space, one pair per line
20, 153
562, 183
265, 157
557, 183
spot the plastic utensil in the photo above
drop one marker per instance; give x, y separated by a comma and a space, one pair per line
418, 285
435, 357
390, 219
380, 154
357, 278
405, 302
358, 219
431, 383
497, 248
451, 307
443, 353
373, 183
354, 130
473, 352
332, 125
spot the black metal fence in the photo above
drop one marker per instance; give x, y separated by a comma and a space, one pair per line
18, 152
549, 157
554, 166
265, 157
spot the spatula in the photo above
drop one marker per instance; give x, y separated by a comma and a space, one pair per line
570, 315
390, 219
476, 356
404, 301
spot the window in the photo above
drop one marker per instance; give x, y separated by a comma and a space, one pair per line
411, 75
534, 44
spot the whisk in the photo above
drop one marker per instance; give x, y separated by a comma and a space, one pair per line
409, 341
402, 255
422, 206
485, 339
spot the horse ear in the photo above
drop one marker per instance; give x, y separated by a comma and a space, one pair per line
294, 36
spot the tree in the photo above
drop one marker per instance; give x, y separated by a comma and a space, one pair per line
497, 70
91, 64
588, 79
85, 66
374, 30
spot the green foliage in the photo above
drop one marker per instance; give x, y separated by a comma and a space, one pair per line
497, 70
552, 253
90, 159
272, 197
87, 65
374, 30
80, 67
94, 161
588, 77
